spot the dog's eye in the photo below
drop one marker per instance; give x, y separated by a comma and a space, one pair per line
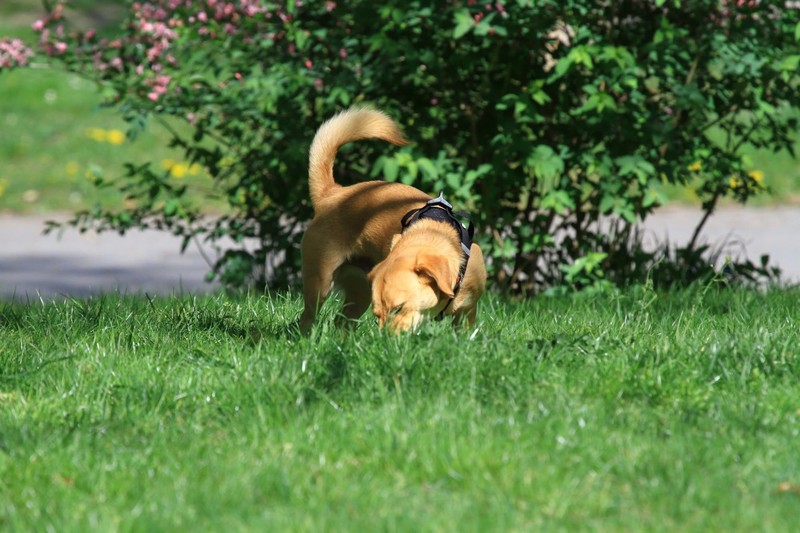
397, 308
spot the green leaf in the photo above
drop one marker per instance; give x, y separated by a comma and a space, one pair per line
607, 203
464, 23
636, 165
545, 163
790, 62
626, 212
558, 200
171, 207
428, 168
540, 97
390, 169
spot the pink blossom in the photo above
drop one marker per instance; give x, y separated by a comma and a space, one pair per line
14, 53
308, 63
38, 25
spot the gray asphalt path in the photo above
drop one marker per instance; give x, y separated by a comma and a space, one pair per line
749, 232
34, 266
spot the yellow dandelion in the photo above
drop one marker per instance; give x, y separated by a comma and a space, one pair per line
695, 167
72, 168
97, 134
115, 137
178, 170
757, 176
195, 169
734, 183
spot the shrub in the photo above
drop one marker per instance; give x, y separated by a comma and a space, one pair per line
544, 118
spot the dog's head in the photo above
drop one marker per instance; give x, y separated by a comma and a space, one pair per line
406, 287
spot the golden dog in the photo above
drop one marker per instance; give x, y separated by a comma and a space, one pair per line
355, 228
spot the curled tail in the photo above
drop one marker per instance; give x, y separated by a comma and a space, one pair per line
351, 125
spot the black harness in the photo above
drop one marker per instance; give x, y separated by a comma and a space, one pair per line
440, 209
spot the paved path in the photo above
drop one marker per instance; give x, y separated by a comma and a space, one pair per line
750, 232
34, 266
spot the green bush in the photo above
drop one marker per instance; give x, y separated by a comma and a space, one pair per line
549, 120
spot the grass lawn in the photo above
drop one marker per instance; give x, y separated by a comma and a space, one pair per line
57, 138
640, 411
58, 141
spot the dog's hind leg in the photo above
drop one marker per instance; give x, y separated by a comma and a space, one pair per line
357, 295
319, 264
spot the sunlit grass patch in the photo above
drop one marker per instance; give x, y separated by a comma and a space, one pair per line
633, 411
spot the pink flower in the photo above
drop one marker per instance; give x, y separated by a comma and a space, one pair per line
13, 53
153, 96
308, 63
38, 25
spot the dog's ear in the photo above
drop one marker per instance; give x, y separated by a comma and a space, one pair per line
436, 268
373, 274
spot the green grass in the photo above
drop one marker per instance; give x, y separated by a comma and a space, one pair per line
55, 138
57, 142
626, 412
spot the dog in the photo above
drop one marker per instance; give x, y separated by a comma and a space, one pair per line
358, 242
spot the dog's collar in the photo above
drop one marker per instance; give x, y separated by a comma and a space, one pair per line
440, 209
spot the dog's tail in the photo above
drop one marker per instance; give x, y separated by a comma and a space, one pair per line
351, 125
